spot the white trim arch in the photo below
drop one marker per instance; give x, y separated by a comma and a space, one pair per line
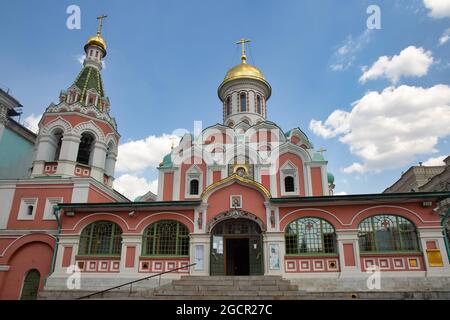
391, 213
160, 213
59, 123
193, 173
288, 169
313, 209
89, 126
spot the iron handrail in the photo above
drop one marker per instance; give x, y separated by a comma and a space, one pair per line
134, 281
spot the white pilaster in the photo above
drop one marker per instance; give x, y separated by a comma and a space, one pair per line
434, 235
274, 241
135, 241
203, 241
68, 155
345, 237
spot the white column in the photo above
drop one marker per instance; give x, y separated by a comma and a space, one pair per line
159, 195
110, 164
323, 170
349, 239
68, 154
177, 184
45, 152
98, 161
436, 236
65, 241
135, 241
7, 192
274, 241
199, 247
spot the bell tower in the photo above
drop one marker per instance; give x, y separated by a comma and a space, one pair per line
244, 92
78, 137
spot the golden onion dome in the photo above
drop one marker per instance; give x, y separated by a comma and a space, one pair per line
96, 40
244, 70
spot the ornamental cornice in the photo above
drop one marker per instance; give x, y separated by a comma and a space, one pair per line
86, 110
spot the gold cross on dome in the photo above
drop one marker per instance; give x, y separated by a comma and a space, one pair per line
242, 42
322, 150
100, 23
173, 142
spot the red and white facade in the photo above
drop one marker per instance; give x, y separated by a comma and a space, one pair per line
245, 173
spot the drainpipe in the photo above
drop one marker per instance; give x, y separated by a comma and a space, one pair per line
56, 212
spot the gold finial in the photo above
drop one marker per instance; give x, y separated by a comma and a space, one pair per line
243, 42
100, 23
322, 150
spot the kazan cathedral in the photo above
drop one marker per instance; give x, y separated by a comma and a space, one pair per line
243, 198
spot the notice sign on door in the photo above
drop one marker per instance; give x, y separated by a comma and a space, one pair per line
274, 256
218, 244
198, 257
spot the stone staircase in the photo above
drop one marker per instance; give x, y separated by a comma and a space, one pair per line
226, 288
263, 288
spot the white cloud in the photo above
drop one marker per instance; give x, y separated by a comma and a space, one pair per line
342, 193
445, 37
412, 62
354, 168
387, 129
336, 123
345, 55
133, 186
31, 122
438, 8
437, 161
137, 155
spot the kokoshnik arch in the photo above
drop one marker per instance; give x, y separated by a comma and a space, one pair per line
230, 212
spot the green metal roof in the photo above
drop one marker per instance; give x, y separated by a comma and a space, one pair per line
128, 204
365, 197
167, 161
330, 177
89, 78
317, 156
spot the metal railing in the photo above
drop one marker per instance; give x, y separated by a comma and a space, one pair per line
134, 281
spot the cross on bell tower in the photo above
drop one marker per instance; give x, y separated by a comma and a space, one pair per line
100, 23
242, 42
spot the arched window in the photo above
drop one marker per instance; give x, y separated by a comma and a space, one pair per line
289, 185
387, 233
193, 187
57, 138
258, 104
85, 148
166, 238
243, 102
310, 235
101, 238
228, 106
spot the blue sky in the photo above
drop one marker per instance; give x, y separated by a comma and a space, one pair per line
166, 59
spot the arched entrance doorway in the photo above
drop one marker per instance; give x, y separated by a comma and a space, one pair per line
30, 285
236, 248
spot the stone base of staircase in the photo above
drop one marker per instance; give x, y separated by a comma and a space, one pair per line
254, 288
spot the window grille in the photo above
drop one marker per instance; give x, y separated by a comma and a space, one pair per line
166, 238
387, 233
310, 235
101, 238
